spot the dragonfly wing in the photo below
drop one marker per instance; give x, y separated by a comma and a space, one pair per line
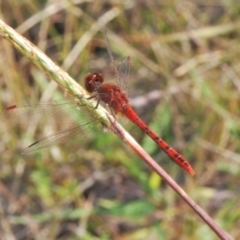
123, 73
59, 119
76, 133
39, 114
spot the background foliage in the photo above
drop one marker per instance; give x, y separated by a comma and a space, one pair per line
184, 82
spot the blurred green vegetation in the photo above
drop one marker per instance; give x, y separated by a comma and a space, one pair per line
184, 82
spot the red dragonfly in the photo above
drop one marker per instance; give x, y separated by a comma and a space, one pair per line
111, 94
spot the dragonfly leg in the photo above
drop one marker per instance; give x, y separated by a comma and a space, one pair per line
98, 100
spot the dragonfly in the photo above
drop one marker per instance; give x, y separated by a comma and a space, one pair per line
114, 95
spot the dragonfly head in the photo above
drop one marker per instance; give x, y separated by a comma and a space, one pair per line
93, 81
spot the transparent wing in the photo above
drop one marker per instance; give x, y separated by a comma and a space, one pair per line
29, 115
59, 119
76, 133
122, 71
